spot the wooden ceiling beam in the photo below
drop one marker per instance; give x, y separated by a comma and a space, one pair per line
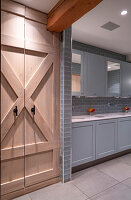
66, 12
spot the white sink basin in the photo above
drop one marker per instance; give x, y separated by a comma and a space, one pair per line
79, 117
99, 116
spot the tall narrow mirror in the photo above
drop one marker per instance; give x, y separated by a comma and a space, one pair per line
113, 79
76, 73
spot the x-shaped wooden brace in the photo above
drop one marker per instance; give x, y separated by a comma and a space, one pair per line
31, 87
16, 85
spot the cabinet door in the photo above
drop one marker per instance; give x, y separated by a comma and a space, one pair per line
106, 138
77, 72
94, 75
124, 134
126, 79
83, 143
113, 68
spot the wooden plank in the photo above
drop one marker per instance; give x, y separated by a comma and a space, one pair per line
11, 41
67, 12
13, 7
11, 153
34, 46
39, 177
9, 186
40, 147
12, 170
31, 188
10, 34
35, 15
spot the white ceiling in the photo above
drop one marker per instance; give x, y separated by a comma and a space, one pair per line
42, 5
88, 29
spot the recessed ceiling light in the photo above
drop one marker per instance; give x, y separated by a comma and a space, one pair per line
124, 12
109, 67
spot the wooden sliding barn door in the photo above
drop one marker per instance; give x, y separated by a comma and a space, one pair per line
42, 104
30, 103
12, 103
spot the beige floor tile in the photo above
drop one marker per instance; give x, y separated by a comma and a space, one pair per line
93, 182
116, 169
127, 182
125, 159
118, 192
58, 191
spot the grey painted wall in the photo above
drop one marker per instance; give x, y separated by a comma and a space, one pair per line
66, 105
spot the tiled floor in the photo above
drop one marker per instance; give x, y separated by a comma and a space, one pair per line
108, 181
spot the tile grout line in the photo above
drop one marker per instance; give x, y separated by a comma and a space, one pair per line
98, 192
104, 190
118, 182
80, 190
108, 175
111, 176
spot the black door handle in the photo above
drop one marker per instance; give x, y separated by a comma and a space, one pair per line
33, 110
15, 111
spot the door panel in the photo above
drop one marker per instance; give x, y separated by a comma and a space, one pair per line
34, 133
12, 126
37, 33
12, 95
41, 91
11, 35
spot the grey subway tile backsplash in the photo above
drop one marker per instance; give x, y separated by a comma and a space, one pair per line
80, 105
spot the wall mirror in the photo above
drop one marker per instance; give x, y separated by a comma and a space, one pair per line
76, 72
113, 79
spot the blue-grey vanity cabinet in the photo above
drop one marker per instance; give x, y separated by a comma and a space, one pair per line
83, 143
126, 79
124, 133
94, 75
106, 138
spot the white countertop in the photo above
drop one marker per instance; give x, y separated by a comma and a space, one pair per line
84, 118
